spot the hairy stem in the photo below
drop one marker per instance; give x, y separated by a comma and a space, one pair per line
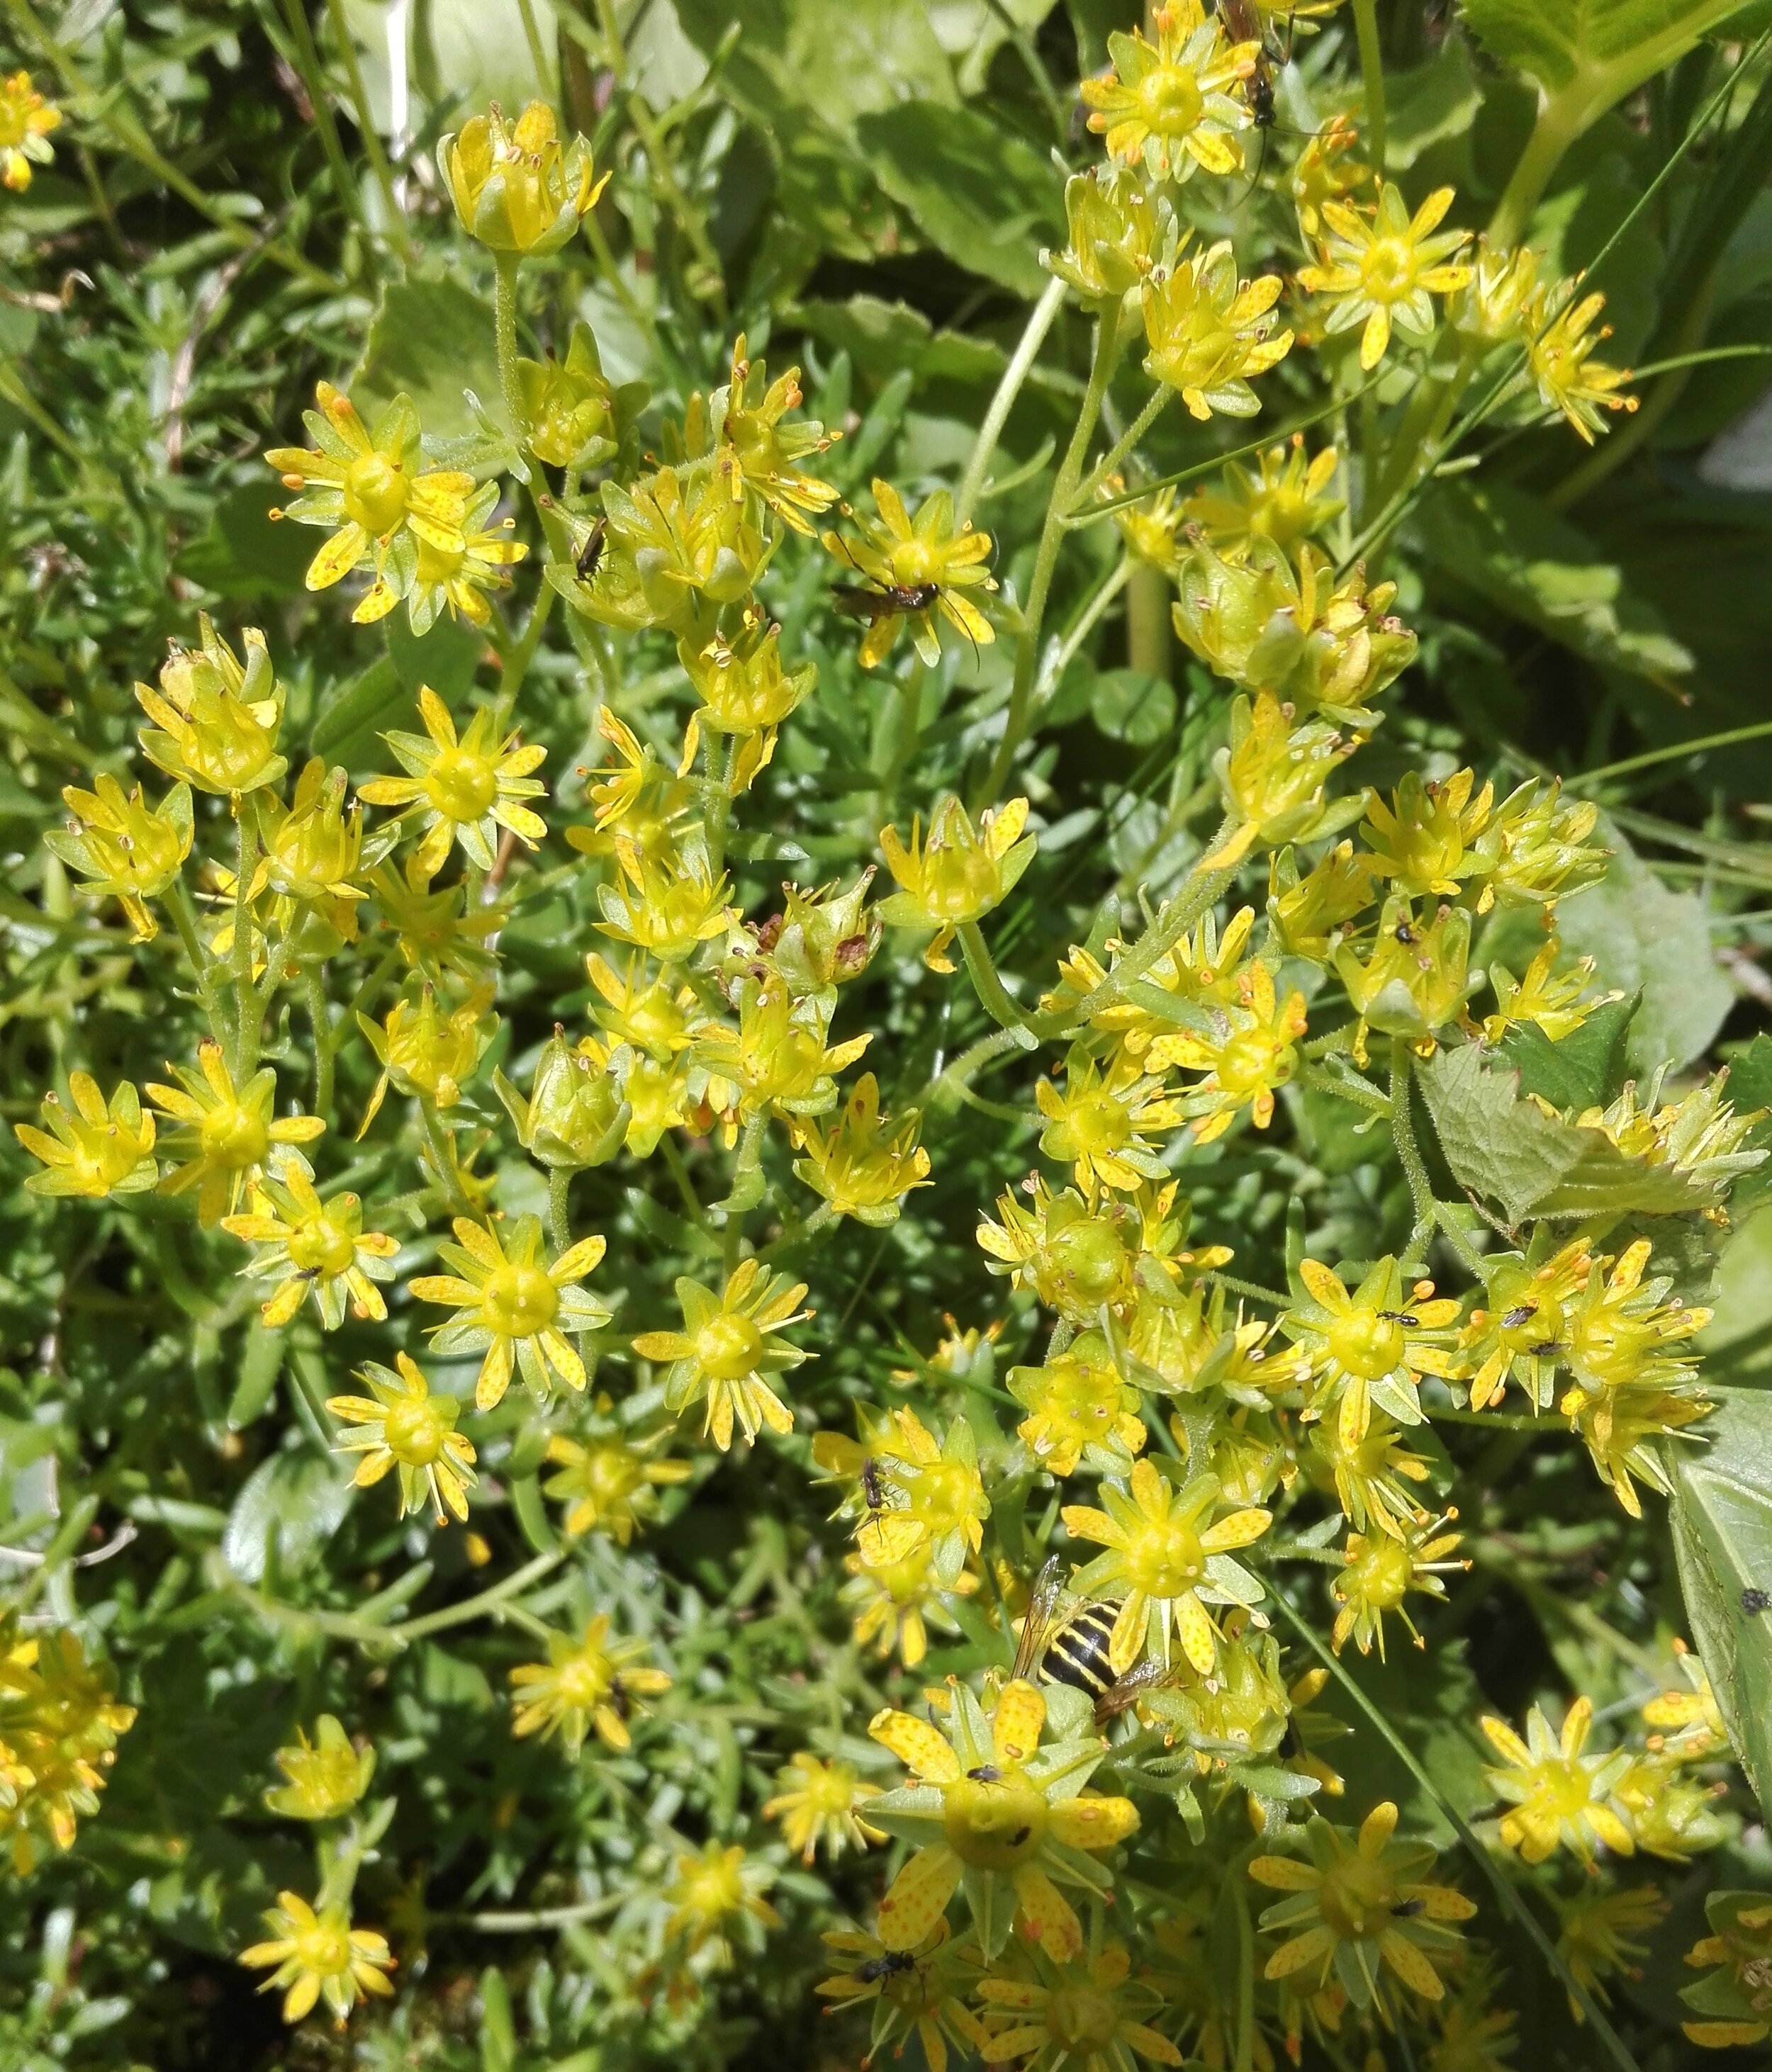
1021, 361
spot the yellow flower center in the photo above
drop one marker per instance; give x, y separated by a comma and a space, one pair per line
959, 884
1080, 2020
233, 1136
1170, 101
830, 1793
1383, 1573
375, 493
1365, 1344
519, 1301
585, 1680
610, 1472
1099, 1123
1090, 1260
1387, 269
941, 1498
414, 1432
1163, 1559
1356, 1898
439, 564
320, 1247
712, 1889
728, 1347
915, 561
323, 1948
995, 1826
1561, 1788
461, 785
1247, 1064
656, 1020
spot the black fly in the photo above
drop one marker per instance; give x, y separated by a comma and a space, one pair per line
1753, 1602
1409, 1908
1400, 1316
987, 1772
873, 1487
1515, 1318
873, 601
888, 1965
591, 554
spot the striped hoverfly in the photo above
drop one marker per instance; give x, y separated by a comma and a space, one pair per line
1065, 1641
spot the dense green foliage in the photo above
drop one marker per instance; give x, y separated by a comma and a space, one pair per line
246, 201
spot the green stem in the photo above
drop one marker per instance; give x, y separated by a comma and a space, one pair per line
504, 331
1150, 631
686, 1186
1051, 533
307, 64
1366, 30
1021, 361
320, 1015
248, 1006
1362, 1095
443, 1152
1125, 444
517, 662
1551, 136
476, 1607
1403, 1133
559, 1186
184, 919
950, 1084
993, 995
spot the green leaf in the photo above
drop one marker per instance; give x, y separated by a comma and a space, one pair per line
288, 1508
1721, 1513
433, 340
1429, 105
244, 553
354, 715
1647, 938
445, 658
1531, 1163
980, 195
261, 1363
1504, 544
883, 339
1132, 706
1585, 1070
1736, 1344
1587, 54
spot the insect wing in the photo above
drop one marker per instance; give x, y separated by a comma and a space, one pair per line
856, 600
1049, 1591
1120, 1695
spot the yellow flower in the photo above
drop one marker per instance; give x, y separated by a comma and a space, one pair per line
1491, 306
1209, 332
1544, 998
761, 454
1079, 1405
461, 788
592, 1681
326, 1776
1121, 229
1620, 1428
632, 798
679, 548
1560, 343
1670, 1816
1699, 1730
1008, 1813
368, 487
439, 934
610, 1483
744, 691
1166, 105
320, 1955
1284, 502
1326, 170
959, 874
894, 1599
1416, 975
1699, 1135
1736, 1999
1554, 1794
1309, 914
1536, 846
816, 1802
455, 575
514, 1307
1369, 1474
644, 1008
1163, 1549
1152, 528
306, 1245
1518, 1335
729, 1343
1100, 1119
1250, 1051
776, 1058
1625, 1333
401, 1425
310, 853
26, 121
1381, 1569
215, 723
717, 1890
224, 1133
58, 1726
821, 939
1422, 842
576, 418
1273, 774
514, 188
1370, 1346
575, 1115
668, 906
922, 557
1077, 1256
919, 1990
1598, 1938
1088, 2016
865, 1164
124, 847
1384, 269
96, 1151
426, 1053
1358, 1909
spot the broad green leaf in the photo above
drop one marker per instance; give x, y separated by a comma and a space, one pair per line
982, 196
433, 340
1648, 939
1505, 545
445, 658
244, 553
1430, 104
466, 52
1132, 706
289, 1506
1587, 54
351, 718
1585, 1070
1737, 1342
1531, 1163
1721, 1513
883, 339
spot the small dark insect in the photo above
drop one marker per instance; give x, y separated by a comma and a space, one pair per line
987, 1772
1515, 1318
1408, 1909
619, 1700
1243, 25
1018, 1837
872, 601
1753, 1602
886, 1966
1405, 934
1400, 1316
873, 1487
1545, 1350
591, 554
